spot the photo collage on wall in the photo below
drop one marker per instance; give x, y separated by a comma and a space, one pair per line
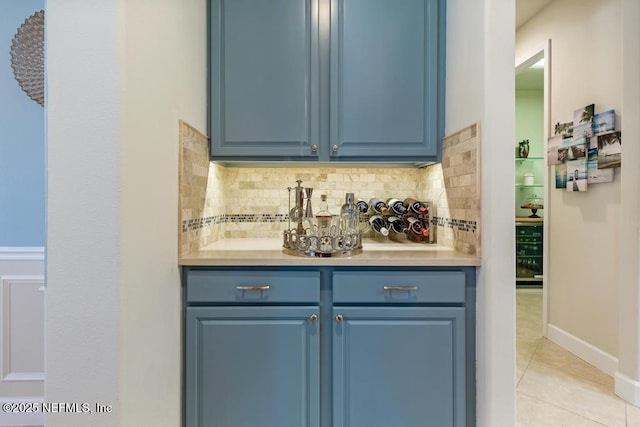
586, 150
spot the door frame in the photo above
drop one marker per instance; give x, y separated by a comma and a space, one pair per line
543, 51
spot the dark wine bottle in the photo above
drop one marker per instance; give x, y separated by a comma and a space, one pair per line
416, 206
363, 206
378, 206
415, 226
379, 224
396, 224
397, 206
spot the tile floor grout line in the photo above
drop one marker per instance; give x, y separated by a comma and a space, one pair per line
524, 371
574, 375
565, 409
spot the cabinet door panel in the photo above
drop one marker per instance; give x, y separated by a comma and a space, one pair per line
384, 78
264, 77
401, 367
252, 366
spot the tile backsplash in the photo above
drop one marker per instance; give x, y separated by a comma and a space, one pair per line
218, 201
454, 187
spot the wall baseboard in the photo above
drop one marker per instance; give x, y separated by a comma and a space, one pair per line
21, 253
22, 418
585, 351
627, 389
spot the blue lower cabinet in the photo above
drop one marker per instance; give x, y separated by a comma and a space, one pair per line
329, 347
252, 366
399, 366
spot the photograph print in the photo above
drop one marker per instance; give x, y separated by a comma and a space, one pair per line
561, 175
583, 121
609, 150
583, 115
604, 122
553, 144
563, 154
583, 129
576, 148
577, 175
564, 129
595, 175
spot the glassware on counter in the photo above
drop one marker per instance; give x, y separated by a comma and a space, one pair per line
323, 216
349, 214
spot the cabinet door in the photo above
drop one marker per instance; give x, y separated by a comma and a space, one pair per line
252, 366
264, 78
398, 366
387, 96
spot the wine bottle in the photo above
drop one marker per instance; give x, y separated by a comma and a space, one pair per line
349, 214
397, 206
378, 206
415, 226
379, 224
363, 206
416, 206
396, 224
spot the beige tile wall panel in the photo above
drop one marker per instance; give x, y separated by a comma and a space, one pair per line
212, 197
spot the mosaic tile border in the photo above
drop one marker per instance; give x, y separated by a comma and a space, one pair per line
457, 224
199, 223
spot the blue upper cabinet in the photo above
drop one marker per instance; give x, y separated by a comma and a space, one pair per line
327, 80
264, 78
386, 79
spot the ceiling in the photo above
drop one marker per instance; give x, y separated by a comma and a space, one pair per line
526, 9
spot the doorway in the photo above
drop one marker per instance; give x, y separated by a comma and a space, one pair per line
532, 180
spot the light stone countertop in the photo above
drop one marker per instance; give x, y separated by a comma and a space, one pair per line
268, 252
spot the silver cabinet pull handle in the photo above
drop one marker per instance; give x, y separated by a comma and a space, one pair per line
400, 288
335, 148
314, 148
339, 318
313, 318
253, 288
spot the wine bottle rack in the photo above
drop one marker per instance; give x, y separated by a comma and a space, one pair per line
428, 221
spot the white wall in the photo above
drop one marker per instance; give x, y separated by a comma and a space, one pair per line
165, 71
480, 86
119, 78
586, 59
84, 78
628, 374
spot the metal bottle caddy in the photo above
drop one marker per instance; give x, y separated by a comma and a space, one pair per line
305, 236
427, 220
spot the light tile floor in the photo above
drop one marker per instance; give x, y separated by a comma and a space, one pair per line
554, 388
